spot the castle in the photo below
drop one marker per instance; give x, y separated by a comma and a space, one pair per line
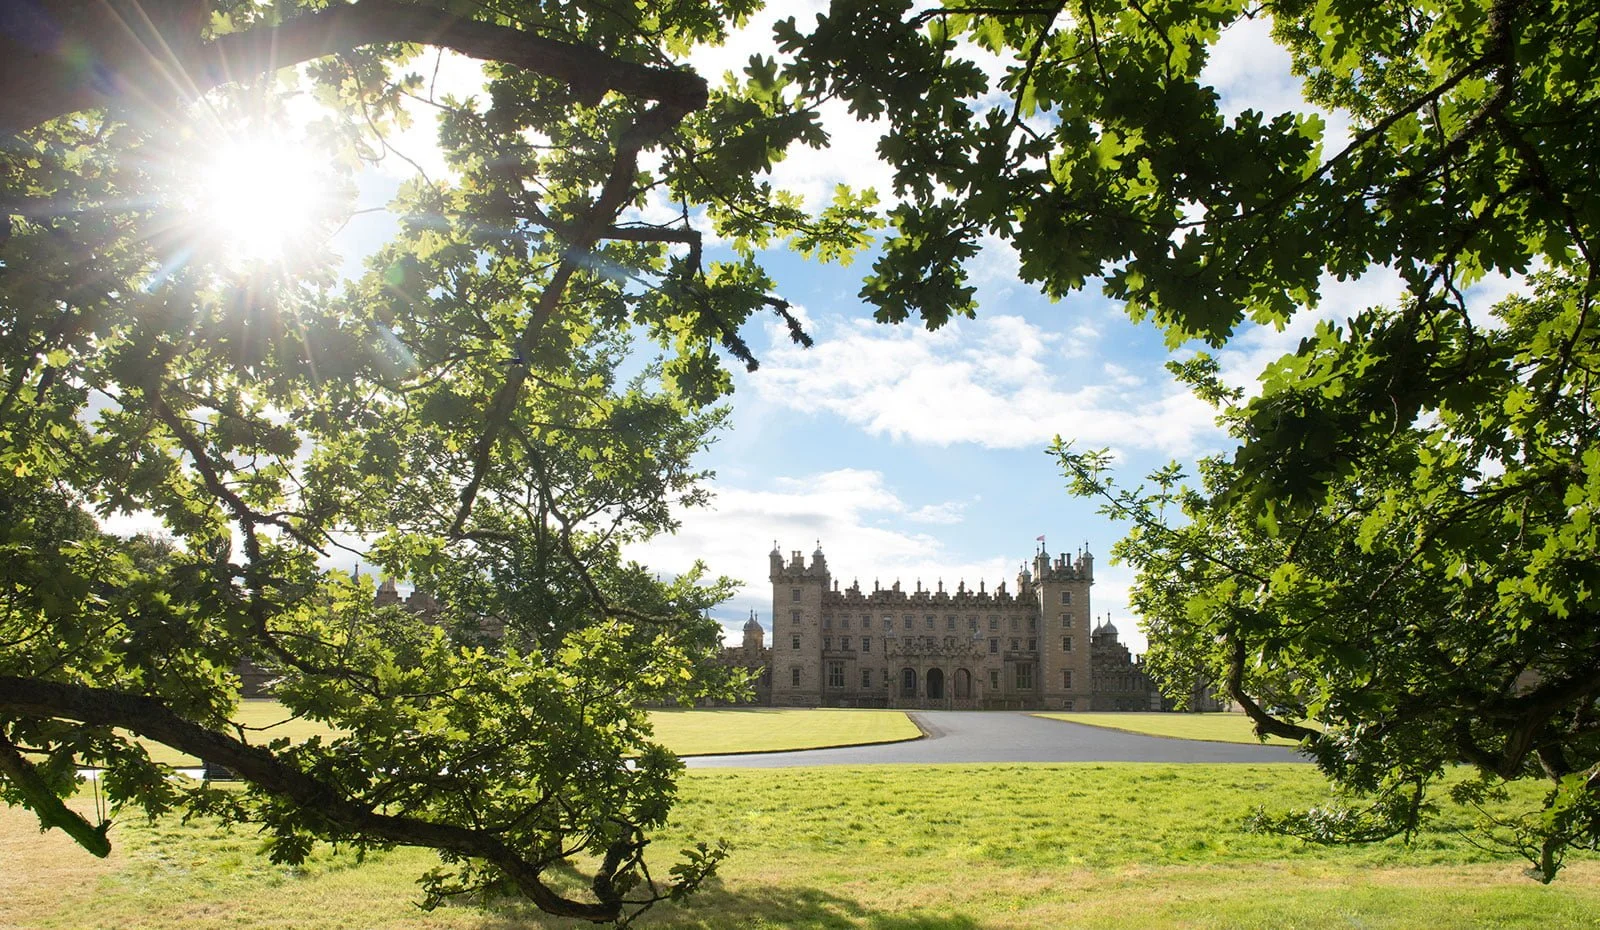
1033, 648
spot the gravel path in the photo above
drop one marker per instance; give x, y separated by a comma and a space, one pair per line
1009, 736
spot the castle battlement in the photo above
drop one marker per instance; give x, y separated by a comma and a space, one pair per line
931, 646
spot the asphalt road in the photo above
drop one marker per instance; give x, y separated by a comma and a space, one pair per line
1009, 736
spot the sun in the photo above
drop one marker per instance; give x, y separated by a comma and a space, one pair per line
260, 199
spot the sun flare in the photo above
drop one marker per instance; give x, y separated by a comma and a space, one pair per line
263, 200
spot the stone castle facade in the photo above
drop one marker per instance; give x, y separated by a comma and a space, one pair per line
1032, 647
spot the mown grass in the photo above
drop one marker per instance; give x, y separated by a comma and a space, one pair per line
700, 731
884, 848
1219, 728
723, 730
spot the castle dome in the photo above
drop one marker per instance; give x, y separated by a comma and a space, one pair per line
753, 625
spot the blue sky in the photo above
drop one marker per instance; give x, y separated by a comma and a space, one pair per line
914, 455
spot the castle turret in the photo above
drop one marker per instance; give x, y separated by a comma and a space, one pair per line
754, 636
387, 593
1062, 588
797, 595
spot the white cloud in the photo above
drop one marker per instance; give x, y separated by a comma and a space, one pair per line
949, 512
997, 382
1251, 72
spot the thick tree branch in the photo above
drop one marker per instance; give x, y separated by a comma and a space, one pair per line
145, 61
151, 718
1266, 724
44, 803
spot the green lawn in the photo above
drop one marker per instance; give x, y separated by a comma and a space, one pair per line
704, 732
688, 732
878, 848
1221, 728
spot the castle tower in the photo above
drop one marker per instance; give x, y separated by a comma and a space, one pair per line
797, 593
754, 635
1062, 588
388, 593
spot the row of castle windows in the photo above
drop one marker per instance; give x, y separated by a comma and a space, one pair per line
835, 672
845, 643
949, 641
836, 677
927, 624
794, 595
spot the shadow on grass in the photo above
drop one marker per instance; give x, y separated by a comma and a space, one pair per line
715, 908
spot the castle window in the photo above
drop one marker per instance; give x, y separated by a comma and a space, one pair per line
827, 643
949, 642
827, 623
794, 595
844, 623
972, 623
794, 642
794, 675
866, 678
949, 623
1024, 678
845, 644
1033, 645
888, 623
994, 646
1067, 706
1033, 624
1014, 645
866, 644
928, 622
994, 679
1014, 626
794, 616
866, 617
836, 674
1066, 678
1066, 597
994, 624
1066, 644
908, 682
866, 622
1066, 618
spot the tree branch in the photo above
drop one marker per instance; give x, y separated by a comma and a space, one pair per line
151, 718
141, 59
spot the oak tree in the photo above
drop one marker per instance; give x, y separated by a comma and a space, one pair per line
456, 413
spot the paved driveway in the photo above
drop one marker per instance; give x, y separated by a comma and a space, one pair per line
1010, 736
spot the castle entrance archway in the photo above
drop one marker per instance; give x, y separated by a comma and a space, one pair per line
963, 684
935, 684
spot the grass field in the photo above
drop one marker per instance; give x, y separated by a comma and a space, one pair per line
687, 732
880, 848
1219, 728
703, 732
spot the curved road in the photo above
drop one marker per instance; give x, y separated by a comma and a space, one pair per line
1009, 736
